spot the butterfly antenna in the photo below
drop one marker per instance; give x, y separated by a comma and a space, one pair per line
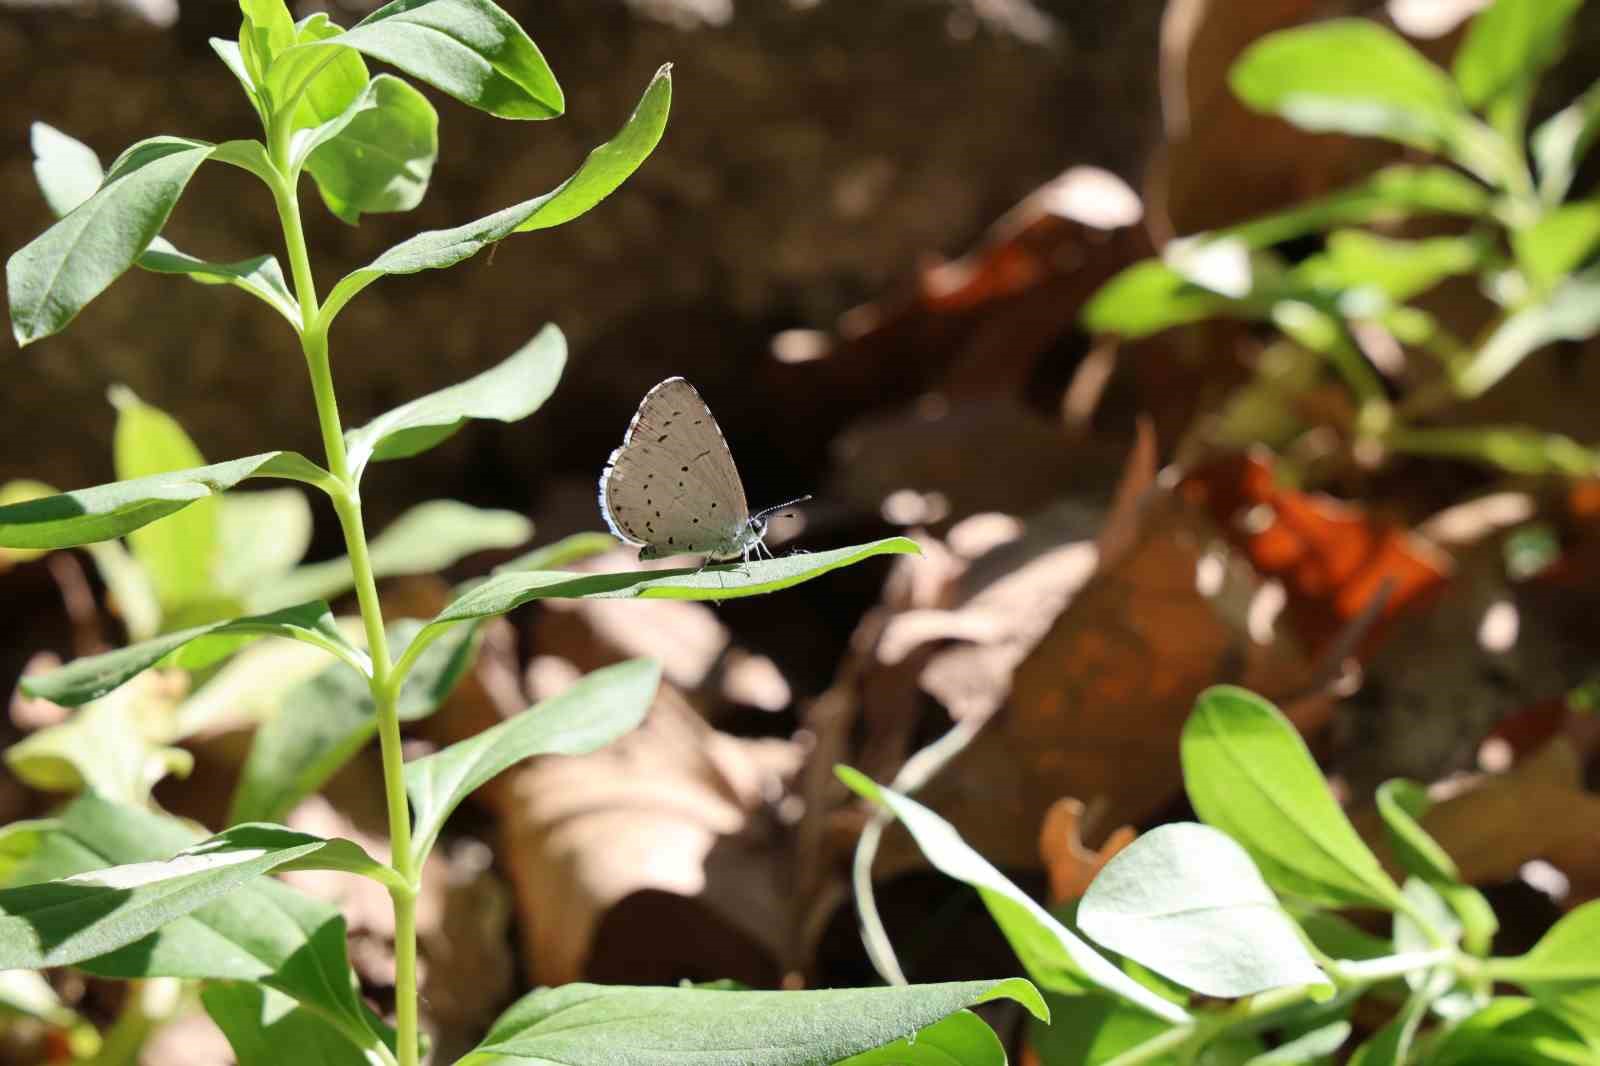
759, 515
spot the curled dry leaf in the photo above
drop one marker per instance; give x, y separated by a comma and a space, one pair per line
673, 809
1070, 863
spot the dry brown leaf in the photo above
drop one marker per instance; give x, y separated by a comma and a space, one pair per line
674, 807
1070, 863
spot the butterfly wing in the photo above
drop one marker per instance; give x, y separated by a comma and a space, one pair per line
672, 486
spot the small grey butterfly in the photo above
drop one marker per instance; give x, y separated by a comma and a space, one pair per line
672, 488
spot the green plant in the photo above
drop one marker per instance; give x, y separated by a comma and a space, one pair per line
1224, 935
1526, 244
114, 886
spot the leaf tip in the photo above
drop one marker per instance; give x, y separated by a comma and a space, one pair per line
857, 782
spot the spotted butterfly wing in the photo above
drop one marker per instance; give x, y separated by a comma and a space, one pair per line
672, 487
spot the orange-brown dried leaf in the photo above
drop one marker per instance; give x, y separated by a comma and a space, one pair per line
1070, 863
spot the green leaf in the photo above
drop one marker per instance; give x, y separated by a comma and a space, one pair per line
1391, 1045
1187, 902
128, 587
1513, 1031
103, 748
1400, 804
1570, 313
322, 722
338, 79
261, 931
1148, 297
1509, 45
962, 1039
1249, 774
179, 552
1391, 195
267, 30
378, 154
106, 511
1350, 76
506, 591
509, 392
1558, 243
1562, 971
1089, 1030
1052, 955
20, 841
260, 1024
262, 536
586, 717
69, 172
580, 1025
336, 853
1560, 143
1358, 263
90, 678
607, 167
563, 552
1316, 1046
428, 538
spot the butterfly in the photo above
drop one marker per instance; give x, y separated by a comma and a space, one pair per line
672, 488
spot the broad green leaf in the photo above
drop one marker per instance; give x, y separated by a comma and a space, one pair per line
336, 853
563, 552
1570, 313
1401, 804
105, 748
1053, 956
261, 931
261, 1024
1509, 45
21, 491
1558, 243
58, 923
607, 167
52, 278
1562, 971
381, 155
179, 552
339, 77
586, 717
1513, 1031
67, 170
1560, 143
1316, 1046
506, 591
1089, 1030
1390, 195
1148, 297
1350, 76
106, 511
1249, 774
1187, 902
90, 678
262, 536
590, 1025
1374, 272
267, 30
321, 722
428, 538
509, 392
962, 1039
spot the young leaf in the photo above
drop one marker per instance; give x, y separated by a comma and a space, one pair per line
90, 678
337, 79
268, 29
1392, 194
509, 392
179, 552
325, 720
591, 1025
1249, 774
262, 931
1187, 902
1356, 262
1350, 76
261, 536
1510, 44
962, 1039
261, 1025
1561, 142
67, 170
103, 748
1391, 1045
1562, 972
106, 511
429, 537
1147, 298
381, 153
339, 854
586, 717
1051, 954
607, 167
1570, 313
1316, 1046
1400, 804
1558, 243
1511, 1029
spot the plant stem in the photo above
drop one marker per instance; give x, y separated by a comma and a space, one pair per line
383, 681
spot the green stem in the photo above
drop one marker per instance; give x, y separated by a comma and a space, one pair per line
384, 682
